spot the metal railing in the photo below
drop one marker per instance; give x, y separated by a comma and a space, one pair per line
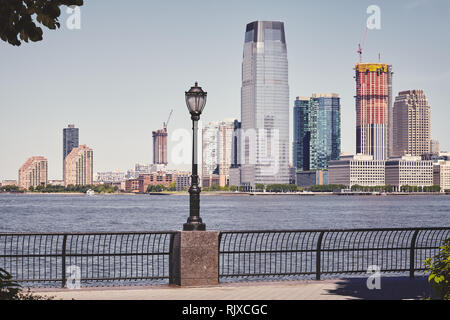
44, 258
284, 253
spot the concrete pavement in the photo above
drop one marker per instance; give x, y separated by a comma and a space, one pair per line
395, 288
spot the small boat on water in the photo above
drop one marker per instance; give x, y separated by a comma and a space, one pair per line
90, 192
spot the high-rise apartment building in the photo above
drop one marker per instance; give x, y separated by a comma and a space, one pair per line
33, 173
217, 142
317, 131
374, 110
265, 105
79, 166
225, 150
210, 143
411, 124
160, 146
70, 141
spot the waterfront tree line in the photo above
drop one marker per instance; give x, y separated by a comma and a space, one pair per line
103, 188
276, 188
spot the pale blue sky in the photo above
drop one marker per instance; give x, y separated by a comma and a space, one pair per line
118, 77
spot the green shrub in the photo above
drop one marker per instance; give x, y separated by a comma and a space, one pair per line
156, 188
327, 188
11, 290
8, 288
281, 188
439, 268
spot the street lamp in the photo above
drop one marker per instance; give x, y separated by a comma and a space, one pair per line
195, 101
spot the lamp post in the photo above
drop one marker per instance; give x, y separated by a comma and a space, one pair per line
195, 101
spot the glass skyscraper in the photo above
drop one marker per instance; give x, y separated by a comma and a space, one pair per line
317, 131
265, 105
70, 141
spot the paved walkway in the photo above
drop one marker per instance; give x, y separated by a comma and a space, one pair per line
395, 288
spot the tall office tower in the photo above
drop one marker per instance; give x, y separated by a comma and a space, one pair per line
160, 146
235, 168
374, 110
265, 105
434, 146
33, 173
70, 141
317, 131
303, 128
79, 166
236, 145
411, 123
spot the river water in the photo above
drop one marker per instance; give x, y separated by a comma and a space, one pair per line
81, 213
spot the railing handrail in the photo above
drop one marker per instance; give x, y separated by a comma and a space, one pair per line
87, 233
335, 230
62, 233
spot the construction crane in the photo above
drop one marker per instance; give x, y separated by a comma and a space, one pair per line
361, 46
165, 124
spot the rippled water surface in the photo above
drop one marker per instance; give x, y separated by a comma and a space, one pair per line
52, 213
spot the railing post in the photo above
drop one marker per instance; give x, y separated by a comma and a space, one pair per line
412, 250
63, 261
218, 257
171, 254
318, 254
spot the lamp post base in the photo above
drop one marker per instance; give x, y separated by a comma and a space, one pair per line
194, 226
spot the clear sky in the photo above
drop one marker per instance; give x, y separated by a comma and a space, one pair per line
118, 76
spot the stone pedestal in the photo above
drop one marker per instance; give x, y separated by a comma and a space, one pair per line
195, 258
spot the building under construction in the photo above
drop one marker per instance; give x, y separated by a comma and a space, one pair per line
160, 146
374, 110
160, 143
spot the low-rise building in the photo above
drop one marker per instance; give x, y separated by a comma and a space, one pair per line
312, 178
56, 182
9, 183
210, 180
360, 170
183, 181
441, 175
409, 170
132, 185
110, 177
235, 176
155, 178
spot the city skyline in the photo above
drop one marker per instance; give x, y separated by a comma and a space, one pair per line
125, 105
